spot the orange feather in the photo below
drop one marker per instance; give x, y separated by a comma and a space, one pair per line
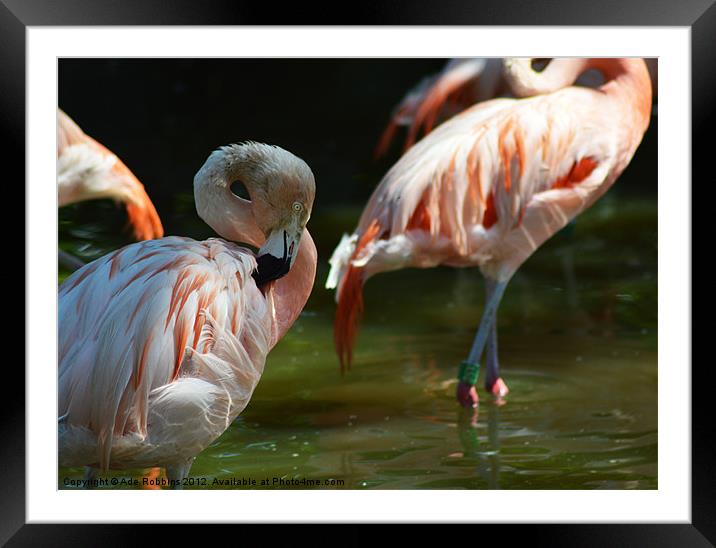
350, 302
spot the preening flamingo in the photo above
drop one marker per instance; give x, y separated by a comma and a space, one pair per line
490, 185
462, 83
162, 342
86, 170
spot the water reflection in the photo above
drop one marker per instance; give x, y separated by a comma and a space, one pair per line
487, 455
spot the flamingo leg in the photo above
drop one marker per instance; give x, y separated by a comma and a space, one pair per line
177, 472
493, 381
466, 392
495, 291
89, 476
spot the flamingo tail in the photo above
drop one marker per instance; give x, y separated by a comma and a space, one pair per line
349, 309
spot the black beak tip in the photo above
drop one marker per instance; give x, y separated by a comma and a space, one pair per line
269, 268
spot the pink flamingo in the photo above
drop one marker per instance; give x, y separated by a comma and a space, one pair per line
462, 83
489, 186
162, 342
86, 170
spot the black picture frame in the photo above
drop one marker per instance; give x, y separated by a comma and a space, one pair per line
698, 15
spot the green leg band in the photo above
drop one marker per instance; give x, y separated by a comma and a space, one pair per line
469, 372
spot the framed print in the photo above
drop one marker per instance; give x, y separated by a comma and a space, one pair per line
225, 189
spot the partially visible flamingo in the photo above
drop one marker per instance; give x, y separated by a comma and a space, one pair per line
162, 343
462, 83
490, 185
87, 170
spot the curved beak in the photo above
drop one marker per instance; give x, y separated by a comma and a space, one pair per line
277, 255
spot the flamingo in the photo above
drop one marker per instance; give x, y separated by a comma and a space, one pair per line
162, 342
86, 170
462, 83
490, 185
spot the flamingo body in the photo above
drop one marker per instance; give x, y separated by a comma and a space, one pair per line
167, 342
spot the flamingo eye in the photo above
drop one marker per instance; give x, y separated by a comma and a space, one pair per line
297, 207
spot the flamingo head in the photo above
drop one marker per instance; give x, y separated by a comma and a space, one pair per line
282, 189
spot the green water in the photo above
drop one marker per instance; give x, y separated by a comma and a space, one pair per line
578, 347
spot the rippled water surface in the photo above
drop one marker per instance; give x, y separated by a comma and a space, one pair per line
578, 342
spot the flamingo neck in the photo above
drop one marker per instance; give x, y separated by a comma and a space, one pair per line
526, 82
291, 292
628, 81
625, 79
231, 217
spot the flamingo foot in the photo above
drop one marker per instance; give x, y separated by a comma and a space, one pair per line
498, 388
467, 395
151, 480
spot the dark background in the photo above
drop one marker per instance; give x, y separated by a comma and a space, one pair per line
163, 117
